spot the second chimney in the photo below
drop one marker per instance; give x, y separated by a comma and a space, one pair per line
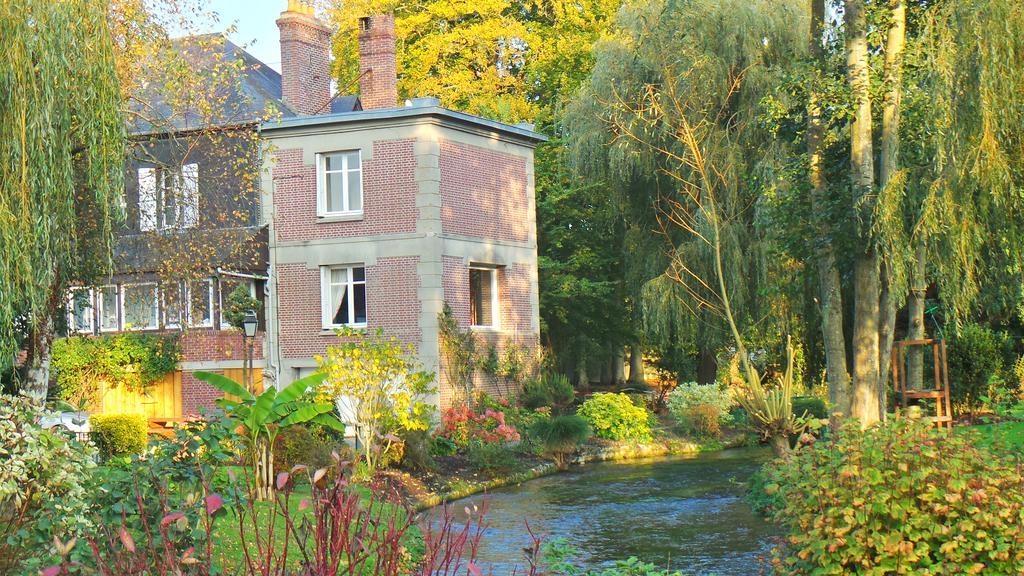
378, 74
305, 59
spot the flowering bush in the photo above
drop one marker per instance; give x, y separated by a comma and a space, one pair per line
43, 492
616, 417
900, 497
461, 424
691, 404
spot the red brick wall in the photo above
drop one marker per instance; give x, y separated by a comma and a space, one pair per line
378, 80
392, 303
484, 193
209, 346
305, 63
515, 307
389, 195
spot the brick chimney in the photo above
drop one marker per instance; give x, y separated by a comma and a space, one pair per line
378, 80
305, 59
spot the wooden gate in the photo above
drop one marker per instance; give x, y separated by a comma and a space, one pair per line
161, 400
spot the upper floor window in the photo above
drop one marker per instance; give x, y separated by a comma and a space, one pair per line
140, 308
339, 183
343, 296
80, 310
483, 297
168, 197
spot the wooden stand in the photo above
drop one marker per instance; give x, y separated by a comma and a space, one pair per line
939, 392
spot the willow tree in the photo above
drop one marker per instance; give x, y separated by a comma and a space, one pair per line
674, 102
62, 140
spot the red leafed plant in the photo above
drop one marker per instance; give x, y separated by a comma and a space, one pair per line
334, 530
460, 424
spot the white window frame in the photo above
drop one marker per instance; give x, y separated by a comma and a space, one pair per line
156, 306
72, 328
209, 302
117, 307
327, 307
321, 184
154, 182
495, 298
182, 311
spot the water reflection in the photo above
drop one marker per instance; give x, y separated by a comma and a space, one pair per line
688, 514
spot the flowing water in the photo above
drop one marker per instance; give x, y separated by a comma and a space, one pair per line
687, 514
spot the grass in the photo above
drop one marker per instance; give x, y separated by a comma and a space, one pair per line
1011, 432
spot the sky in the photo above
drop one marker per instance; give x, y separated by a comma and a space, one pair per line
255, 26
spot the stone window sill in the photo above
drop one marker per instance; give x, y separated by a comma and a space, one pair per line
353, 217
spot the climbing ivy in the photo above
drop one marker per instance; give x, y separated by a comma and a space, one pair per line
82, 364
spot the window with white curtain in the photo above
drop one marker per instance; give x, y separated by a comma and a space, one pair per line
343, 296
168, 197
80, 311
140, 307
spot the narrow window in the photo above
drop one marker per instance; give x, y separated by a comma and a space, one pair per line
139, 307
201, 303
80, 311
108, 304
173, 304
340, 183
343, 294
483, 297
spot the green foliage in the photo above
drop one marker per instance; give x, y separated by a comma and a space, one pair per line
492, 458
239, 302
899, 497
418, 451
694, 405
43, 485
119, 434
559, 557
382, 379
263, 417
616, 417
443, 446
770, 408
83, 364
553, 390
813, 407
976, 363
61, 161
300, 445
459, 350
560, 436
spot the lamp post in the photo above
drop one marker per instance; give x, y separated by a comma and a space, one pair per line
249, 325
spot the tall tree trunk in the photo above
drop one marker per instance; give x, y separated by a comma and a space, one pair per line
707, 366
829, 287
619, 365
915, 319
867, 288
890, 163
636, 363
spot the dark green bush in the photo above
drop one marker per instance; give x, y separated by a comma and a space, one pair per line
301, 445
492, 458
616, 417
814, 407
560, 436
976, 361
900, 497
417, 454
119, 434
549, 390
441, 446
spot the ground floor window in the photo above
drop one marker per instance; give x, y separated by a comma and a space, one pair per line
140, 308
483, 297
108, 302
343, 296
80, 311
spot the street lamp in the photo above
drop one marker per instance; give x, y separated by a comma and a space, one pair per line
249, 324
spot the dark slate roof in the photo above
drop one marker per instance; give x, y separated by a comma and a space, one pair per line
257, 92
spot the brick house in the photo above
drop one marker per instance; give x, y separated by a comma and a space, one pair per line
358, 212
379, 216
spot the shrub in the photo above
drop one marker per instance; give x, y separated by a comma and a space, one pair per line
417, 454
300, 445
691, 404
560, 436
491, 458
441, 446
550, 390
132, 360
813, 407
975, 356
461, 425
616, 417
119, 434
43, 486
900, 494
